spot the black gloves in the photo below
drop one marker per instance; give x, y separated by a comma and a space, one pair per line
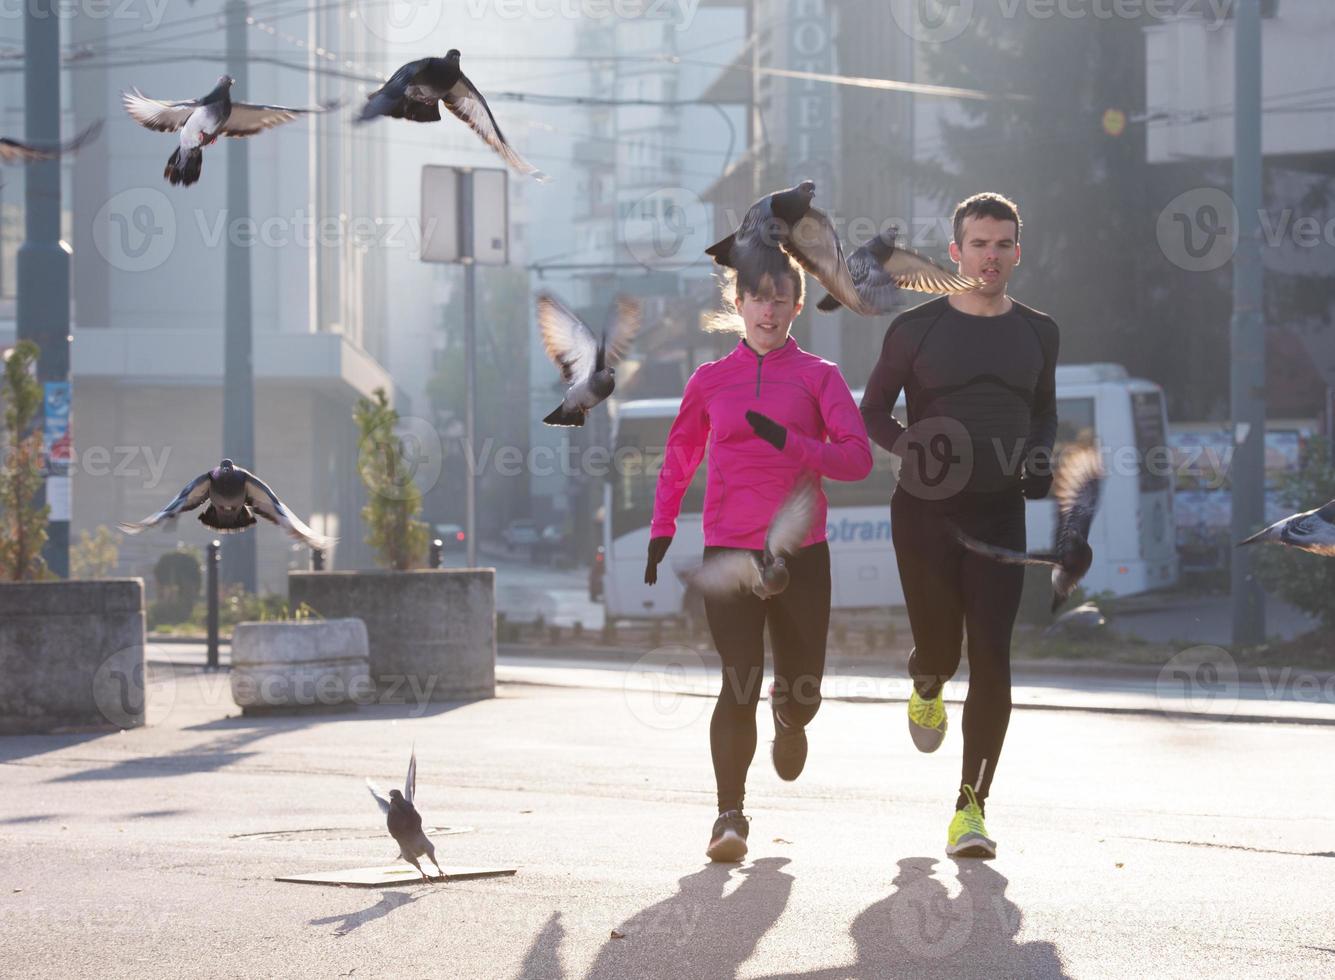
769, 430
657, 549
1036, 480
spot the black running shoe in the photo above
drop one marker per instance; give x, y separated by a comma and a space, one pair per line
790, 745
727, 841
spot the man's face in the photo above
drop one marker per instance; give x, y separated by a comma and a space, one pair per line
990, 252
769, 313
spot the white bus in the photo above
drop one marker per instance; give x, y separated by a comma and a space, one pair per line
1133, 536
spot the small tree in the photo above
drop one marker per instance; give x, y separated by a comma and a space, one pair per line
22, 525
393, 531
95, 556
1305, 580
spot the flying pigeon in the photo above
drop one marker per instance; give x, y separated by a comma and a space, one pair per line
1077, 491
201, 121
14, 151
727, 573
415, 91
404, 822
1312, 530
234, 496
880, 269
585, 361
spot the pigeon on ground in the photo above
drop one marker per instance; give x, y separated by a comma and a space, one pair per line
585, 361
201, 121
881, 269
1077, 491
415, 91
235, 496
727, 573
1312, 530
14, 151
404, 822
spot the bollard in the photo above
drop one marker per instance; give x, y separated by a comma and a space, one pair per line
433, 559
212, 567
317, 559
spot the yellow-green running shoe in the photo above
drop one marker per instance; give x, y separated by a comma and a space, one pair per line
967, 836
927, 721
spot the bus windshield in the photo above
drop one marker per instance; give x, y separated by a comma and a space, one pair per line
637, 459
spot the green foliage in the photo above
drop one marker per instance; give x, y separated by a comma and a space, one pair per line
1302, 579
94, 556
397, 537
179, 576
22, 524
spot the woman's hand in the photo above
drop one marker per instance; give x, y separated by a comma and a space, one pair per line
657, 549
769, 430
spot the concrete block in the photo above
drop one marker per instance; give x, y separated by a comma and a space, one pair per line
71, 655
431, 632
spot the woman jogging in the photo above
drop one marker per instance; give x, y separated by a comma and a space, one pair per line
771, 418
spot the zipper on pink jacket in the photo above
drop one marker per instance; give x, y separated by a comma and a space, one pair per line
760, 359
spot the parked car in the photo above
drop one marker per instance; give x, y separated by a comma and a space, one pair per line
520, 534
452, 536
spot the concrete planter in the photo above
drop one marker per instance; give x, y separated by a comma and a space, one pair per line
298, 665
432, 632
71, 656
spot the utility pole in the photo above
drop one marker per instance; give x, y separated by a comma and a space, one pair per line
467, 238
1248, 326
43, 308
238, 435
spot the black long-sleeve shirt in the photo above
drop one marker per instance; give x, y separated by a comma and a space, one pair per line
995, 375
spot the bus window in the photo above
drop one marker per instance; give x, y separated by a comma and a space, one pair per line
1075, 422
1151, 440
636, 462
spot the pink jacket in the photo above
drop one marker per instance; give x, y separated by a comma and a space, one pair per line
748, 478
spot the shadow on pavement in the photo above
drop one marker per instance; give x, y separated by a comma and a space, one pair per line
699, 931
16, 747
389, 901
543, 960
919, 930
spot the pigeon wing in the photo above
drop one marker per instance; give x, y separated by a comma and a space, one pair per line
12, 151
163, 117
247, 119
623, 325
792, 521
568, 341
410, 784
470, 108
997, 553
266, 503
380, 799
1076, 488
815, 245
194, 494
910, 270
724, 573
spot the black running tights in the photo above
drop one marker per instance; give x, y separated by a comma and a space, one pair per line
798, 618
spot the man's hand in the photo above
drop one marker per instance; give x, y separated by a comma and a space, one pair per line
657, 549
769, 430
1036, 480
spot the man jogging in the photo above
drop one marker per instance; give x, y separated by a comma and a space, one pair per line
978, 371
770, 417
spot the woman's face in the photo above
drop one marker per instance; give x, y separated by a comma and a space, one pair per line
768, 314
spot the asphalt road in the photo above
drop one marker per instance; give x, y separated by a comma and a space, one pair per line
1130, 845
